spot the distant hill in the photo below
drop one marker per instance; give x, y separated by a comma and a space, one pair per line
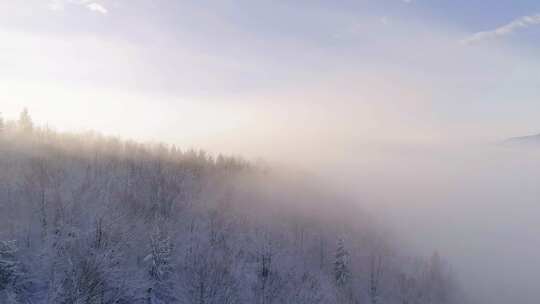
531, 141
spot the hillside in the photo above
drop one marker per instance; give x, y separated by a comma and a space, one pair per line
531, 141
91, 219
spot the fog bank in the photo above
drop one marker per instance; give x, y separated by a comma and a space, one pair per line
473, 200
476, 203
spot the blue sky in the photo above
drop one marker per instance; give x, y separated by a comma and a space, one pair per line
476, 15
434, 70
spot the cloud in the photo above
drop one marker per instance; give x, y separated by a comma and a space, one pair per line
520, 23
60, 5
96, 7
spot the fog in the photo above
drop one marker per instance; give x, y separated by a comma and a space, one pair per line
473, 200
475, 203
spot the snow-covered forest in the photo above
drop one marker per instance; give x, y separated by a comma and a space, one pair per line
86, 218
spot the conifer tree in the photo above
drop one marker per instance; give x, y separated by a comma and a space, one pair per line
341, 268
11, 273
25, 122
1, 123
160, 272
342, 274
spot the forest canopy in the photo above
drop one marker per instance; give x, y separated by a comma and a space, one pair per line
86, 218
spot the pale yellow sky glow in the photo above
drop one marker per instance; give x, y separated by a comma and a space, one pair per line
118, 113
126, 73
92, 83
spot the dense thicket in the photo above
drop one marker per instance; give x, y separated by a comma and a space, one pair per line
92, 219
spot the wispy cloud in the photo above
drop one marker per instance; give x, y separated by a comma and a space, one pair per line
96, 7
60, 5
520, 23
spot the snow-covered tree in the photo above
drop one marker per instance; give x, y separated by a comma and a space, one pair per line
159, 260
342, 274
12, 276
99, 220
375, 275
26, 124
2, 126
208, 278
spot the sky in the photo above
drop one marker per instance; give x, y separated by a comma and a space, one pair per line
377, 89
200, 72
